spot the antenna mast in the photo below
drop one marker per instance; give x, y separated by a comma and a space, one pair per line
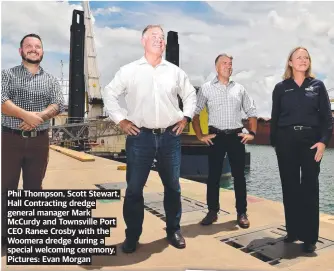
61, 72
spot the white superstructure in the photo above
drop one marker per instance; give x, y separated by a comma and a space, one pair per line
92, 76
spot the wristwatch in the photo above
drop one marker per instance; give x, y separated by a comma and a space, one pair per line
188, 119
252, 133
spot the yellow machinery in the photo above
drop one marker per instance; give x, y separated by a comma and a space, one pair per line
203, 117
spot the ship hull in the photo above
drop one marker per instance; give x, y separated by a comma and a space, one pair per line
194, 160
194, 166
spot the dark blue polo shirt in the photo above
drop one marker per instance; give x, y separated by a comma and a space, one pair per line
307, 105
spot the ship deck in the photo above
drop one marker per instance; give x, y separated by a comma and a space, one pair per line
221, 246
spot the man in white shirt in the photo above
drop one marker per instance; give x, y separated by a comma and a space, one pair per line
153, 124
225, 100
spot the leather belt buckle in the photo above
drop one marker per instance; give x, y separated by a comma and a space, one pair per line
158, 131
297, 128
30, 134
22, 134
230, 131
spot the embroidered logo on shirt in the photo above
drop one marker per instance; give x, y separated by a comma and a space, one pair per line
291, 89
309, 88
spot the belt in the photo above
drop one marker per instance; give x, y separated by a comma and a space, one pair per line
215, 130
157, 131
22, 133
300, 127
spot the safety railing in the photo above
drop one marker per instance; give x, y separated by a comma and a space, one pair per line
83, 129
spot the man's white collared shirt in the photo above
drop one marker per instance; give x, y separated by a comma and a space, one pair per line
150, 94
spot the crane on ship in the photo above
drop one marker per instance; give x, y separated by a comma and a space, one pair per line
85, 120
92, 76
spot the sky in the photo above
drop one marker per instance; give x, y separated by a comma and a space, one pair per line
259, 35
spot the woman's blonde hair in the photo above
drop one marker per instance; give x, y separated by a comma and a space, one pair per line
288, 69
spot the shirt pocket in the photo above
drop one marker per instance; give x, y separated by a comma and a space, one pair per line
169, 86
20, 95
235, 100
215, 103
39, 95
40, 91
312, 100
17, 92
289, 102
168, 82
311, 94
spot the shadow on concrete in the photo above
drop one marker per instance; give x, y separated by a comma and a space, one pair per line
193, 230
277, 249
143, 252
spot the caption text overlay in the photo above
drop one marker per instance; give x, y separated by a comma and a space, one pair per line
56, 227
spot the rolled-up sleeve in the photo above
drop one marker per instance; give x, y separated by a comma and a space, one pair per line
111, 94
4, 86
248, 105
201, 101
57, 96
188, 95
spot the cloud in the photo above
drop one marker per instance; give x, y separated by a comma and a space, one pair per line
258, 34
51, 20
273, 29
106, 11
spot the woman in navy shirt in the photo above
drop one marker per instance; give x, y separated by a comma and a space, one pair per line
301, 128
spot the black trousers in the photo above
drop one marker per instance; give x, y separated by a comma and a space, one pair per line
299, 174
230, 144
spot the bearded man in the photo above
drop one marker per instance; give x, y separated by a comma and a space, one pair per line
30, 97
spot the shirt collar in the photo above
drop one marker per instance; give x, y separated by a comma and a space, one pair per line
40, 71
216, 81
143, 60
306, 79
